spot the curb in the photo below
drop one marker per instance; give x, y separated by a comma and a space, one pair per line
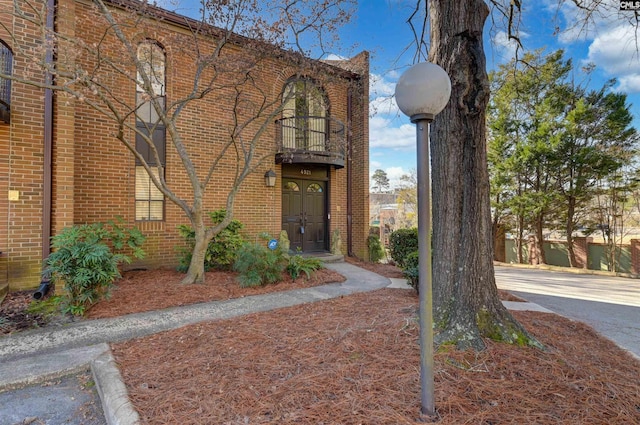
31, 370
117, 408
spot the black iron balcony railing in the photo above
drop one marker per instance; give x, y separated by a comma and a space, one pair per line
310, 140
6, 59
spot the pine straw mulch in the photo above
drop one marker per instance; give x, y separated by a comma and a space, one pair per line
149, 290
354, 360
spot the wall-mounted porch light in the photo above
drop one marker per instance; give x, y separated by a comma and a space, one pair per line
270, 178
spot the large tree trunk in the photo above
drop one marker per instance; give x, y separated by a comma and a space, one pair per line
466, 303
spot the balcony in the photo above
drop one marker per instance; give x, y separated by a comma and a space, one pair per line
310, 140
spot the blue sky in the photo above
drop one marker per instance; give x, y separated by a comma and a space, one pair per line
380, 27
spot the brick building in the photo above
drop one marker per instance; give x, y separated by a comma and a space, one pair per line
61, 162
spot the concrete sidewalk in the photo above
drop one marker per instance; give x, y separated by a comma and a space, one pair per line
35, 356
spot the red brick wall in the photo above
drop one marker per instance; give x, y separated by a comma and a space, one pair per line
21, 219
4, 207
93, 172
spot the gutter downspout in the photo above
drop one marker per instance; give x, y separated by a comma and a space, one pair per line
48, 142
349, 175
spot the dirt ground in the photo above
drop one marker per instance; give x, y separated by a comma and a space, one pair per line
354, 360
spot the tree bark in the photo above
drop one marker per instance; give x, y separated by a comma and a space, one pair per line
466, 303
195, 273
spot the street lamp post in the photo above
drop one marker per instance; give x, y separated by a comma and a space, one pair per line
421, 93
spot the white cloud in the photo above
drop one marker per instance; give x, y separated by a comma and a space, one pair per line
578, 26
629, 84
334, 57
383, 135
383, 105
375, 164
381, 92
379, 85
614, 45
393, 174
616, 52
505, 47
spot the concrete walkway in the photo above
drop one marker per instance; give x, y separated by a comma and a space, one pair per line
34, 356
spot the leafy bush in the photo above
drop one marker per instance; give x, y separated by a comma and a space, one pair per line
222, 249
403, 242
376, 252
410, 270
83, 259
299, 264
259, 265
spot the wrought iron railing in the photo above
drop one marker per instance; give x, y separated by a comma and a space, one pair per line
310, 139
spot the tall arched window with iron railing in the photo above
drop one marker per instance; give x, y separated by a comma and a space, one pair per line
150, 130
6, 67
304, 116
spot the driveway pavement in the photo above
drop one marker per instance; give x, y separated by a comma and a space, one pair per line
611, 305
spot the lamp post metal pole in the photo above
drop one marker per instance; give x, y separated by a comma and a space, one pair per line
422, 122
422, 92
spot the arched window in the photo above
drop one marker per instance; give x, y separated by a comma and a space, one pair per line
6, 67
305, 112
149, 199
152, 60
292, 186
314, 188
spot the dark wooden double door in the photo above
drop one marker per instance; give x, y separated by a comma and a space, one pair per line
304, 214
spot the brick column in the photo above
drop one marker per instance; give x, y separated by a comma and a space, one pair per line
533, 251
635, 256
499, 244
581, 249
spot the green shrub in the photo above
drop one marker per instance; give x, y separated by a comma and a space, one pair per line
402, 242
86, 258
410, 270
299, 264
222, 249
376, 252
259, 265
